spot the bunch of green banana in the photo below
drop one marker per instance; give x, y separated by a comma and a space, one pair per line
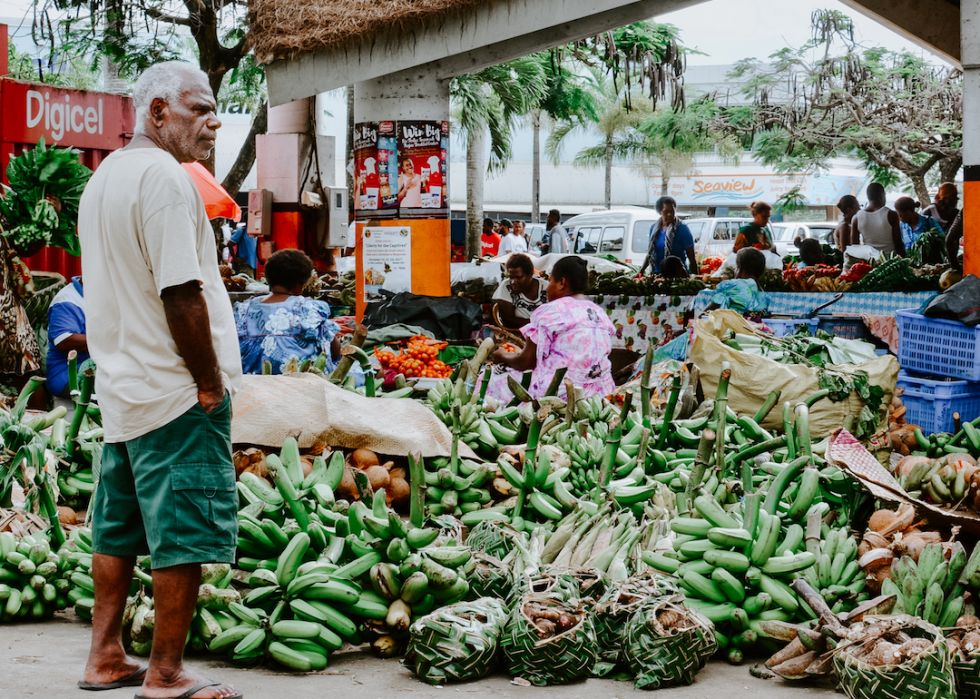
836, 573
457, 491
937, 479
734, 566
612, 542
931, 588
33, 582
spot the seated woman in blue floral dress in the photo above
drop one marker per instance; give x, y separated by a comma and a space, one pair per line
286, 325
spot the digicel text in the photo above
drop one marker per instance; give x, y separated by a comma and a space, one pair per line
62, 117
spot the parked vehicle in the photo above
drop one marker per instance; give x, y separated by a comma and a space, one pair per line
622, 233
715, 236
785, 233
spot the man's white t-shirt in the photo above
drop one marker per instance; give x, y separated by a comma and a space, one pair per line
512, 243
143, 228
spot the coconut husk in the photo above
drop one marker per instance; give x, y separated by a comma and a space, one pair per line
900, 657
284, 29
21, 523
666, 644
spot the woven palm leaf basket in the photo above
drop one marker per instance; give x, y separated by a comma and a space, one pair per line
549, 641
964, 647
491, 577
666, 644
617, 607
456, 643
570, 584
894, 657
495, 538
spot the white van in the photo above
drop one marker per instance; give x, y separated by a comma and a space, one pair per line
622, 233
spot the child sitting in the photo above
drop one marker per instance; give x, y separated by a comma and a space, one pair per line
811, 253
743, 294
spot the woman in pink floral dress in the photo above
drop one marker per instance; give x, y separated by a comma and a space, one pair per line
568, 331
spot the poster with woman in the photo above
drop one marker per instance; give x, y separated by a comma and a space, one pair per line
423, 148
375, 167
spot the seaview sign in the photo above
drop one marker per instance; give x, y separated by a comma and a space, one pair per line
65, 117
729, 190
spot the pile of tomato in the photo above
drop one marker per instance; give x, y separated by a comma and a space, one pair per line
418, 358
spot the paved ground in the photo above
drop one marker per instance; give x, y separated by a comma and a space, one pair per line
45, 660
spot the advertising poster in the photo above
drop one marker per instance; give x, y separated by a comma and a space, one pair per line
375, 167
423, 150
387, 260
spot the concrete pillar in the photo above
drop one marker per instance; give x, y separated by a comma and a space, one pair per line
415, 94
970, 52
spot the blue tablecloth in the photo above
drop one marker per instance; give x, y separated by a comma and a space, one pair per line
801, 303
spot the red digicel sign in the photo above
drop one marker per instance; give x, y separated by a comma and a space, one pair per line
75, 118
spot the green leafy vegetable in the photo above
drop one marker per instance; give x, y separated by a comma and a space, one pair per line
41, 202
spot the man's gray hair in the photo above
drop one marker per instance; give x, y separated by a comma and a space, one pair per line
163, 81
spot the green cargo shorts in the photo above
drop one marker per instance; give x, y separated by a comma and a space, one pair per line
171, 493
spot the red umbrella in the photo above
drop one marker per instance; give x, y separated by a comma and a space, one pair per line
217, 201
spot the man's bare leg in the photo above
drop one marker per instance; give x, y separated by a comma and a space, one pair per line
107, 660
175, 597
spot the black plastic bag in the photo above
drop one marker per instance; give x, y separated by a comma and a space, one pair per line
959, 302
446, 317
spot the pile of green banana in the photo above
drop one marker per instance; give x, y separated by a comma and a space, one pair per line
943, 480
456, 486
33, 582
212, 615
734, 566
608, 541
836, 573
932, 589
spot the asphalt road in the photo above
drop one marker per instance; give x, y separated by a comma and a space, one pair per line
46, 660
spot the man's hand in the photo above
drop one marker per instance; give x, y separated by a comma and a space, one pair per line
210, 400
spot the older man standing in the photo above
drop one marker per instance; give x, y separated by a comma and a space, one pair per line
162, 334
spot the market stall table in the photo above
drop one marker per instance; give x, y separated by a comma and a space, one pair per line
644, 320
877, 310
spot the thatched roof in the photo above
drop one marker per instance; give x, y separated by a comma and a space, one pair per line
287, 28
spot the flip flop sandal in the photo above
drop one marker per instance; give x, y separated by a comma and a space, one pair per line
134, 679
194, 690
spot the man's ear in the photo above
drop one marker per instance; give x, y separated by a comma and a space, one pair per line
158, 108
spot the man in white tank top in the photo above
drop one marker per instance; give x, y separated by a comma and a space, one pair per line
877, 225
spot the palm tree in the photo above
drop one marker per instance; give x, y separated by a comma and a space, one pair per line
666, 143
489, 103
617, 120
569, 97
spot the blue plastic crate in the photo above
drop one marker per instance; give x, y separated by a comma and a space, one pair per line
931, 403
787, 326
938, 347
847, 327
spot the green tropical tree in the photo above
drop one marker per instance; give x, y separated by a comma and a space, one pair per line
569, 97
833, 96
488, 104
618, 117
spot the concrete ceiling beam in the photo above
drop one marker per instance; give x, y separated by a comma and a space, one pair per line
932, 24
488, 36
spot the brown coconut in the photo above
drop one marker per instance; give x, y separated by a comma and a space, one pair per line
882, 519
66, 515
364, 459
347, 489
378, 475
399, 492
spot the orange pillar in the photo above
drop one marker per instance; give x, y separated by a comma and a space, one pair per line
971, 218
